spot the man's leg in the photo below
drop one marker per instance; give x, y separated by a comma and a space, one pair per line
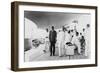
50, 48
79, 48
59, 49
45, 47
53, 49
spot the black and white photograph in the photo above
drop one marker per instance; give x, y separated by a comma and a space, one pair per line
52, 36
56, 36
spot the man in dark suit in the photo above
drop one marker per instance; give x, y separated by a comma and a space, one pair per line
52, 39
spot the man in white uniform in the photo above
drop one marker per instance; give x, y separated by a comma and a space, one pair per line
60, 40
87, 39
47, 43
69, 47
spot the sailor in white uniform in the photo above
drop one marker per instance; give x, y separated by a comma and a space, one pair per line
87, 39
47, 43
61, 43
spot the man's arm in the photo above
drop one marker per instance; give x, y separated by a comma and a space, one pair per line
56, 34
49, 35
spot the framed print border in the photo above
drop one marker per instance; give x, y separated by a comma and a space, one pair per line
15, 34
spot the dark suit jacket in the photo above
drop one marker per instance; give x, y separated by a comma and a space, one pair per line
52, 36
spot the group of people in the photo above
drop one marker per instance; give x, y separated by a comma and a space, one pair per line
67, 37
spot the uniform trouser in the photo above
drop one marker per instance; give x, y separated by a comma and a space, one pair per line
87, 48
61, 48
52, 48
79, 49
47, 46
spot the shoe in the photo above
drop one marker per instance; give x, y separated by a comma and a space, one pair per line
50, 54
54, 55
44, 51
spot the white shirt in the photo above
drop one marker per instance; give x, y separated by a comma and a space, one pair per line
67, 37
61, 36
47, 36
75, 40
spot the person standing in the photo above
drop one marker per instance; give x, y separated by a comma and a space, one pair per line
61, 42
59, 39
87, 38
52, 39
46, 41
